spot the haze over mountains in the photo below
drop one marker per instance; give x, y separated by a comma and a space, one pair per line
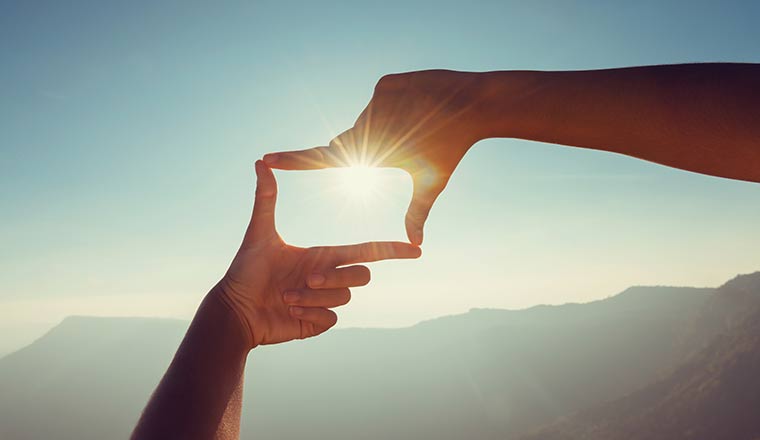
672, 362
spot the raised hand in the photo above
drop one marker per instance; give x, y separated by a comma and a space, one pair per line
281, 292
422, 122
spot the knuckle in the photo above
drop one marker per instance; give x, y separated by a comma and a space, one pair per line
343, 140
317, 252
365, 251
417, 215
328, 154
389, 80
262, 192
319, 153
383, 82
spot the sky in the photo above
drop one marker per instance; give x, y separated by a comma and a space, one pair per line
128, 133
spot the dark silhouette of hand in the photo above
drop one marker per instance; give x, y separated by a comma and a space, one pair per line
281, 292
421, 122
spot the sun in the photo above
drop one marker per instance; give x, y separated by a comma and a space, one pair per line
359, 182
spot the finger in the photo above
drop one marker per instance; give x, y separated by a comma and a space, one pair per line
369, 252
262, 220
344, 150
423, 198
352, 276
311, 159
319, 319
326, 298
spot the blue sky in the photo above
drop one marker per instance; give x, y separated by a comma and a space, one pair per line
128, 132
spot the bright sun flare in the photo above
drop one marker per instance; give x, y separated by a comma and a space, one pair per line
359, 182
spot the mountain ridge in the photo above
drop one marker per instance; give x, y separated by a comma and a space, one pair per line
487, 373
714, 393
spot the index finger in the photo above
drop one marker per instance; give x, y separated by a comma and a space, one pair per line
311, 159
371, 251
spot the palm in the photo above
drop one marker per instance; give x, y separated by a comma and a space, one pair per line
278, 267
289, 264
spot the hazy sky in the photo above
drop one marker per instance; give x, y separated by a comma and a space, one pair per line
128, 133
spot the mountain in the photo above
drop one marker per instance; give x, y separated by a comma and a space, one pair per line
87, 378
486, 374
715, 394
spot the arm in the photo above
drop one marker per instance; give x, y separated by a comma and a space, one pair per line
698, 117
200, 395
272, 293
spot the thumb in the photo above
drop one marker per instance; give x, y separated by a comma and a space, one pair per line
423, 197
262, 221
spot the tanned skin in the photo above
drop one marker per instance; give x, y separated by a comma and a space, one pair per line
272, 293
697, 117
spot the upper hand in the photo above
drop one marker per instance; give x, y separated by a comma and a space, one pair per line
281, 292
422, 122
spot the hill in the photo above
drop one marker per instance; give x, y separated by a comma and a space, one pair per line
715, 394
487, 374
86, 378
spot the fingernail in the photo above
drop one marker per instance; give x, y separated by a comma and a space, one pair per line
291, 297
296, 311
316, 279
418, 252
270, 158
417, 237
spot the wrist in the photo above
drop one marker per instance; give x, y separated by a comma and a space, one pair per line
506, 102
234, 315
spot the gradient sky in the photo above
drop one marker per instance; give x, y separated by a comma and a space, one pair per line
128, 132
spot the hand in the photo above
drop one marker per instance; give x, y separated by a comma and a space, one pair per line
281, 292
422, 122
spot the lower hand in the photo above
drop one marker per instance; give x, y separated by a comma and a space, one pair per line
281, 292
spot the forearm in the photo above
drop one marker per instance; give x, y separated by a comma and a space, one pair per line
200, 395
697, 117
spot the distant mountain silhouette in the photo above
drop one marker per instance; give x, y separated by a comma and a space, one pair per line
486, 374
87, 378
715, 394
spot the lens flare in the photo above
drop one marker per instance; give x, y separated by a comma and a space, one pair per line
359, 182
